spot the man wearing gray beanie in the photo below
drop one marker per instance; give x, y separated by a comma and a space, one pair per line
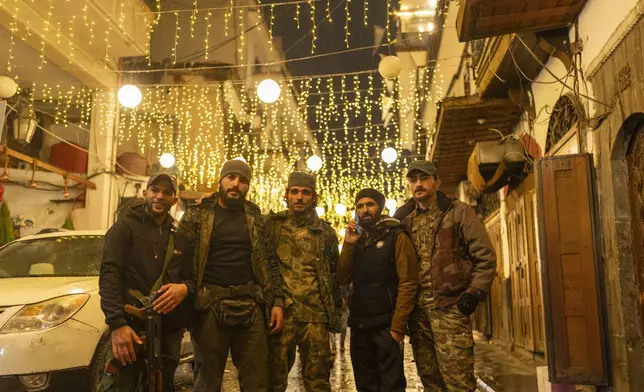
236, 281
308, 252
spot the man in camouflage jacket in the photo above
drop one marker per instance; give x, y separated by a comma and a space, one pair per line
236, 280
308, 251
457, 266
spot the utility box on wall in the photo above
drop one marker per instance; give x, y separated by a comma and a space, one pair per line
572, 274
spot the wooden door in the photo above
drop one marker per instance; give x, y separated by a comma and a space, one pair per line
535, 275
499, 329
573, 301
521, 300
635, 160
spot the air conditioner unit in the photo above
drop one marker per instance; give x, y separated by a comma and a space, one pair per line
493, 163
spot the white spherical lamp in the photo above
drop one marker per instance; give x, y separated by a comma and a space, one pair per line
268, 91
389, 67
340, 209
167, 160
8, 87
391, 205
320, 210
314, 163
389, 155
130, 96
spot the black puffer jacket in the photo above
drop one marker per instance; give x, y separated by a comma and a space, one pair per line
133, 257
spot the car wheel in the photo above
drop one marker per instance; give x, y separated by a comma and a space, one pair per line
97, 367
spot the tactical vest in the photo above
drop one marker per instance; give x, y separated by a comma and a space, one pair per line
375, 282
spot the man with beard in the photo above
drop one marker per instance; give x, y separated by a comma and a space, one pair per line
308, 251
237, 281
139, 258
457, 266
381, 264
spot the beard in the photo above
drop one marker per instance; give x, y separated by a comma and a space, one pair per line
305, 209
232, 202
367, 224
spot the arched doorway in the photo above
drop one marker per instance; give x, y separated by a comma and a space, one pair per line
635, 167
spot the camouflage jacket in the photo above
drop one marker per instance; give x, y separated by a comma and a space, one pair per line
462, 256
196, 228
327, 260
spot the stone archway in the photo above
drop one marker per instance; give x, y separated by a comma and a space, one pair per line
628, 187
635, 167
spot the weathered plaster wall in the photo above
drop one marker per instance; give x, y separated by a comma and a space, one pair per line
33, 204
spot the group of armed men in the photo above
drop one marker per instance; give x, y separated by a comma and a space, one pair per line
262, 287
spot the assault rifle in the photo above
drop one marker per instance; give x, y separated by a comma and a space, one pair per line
151, 339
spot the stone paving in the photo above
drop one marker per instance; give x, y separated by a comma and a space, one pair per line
499, 370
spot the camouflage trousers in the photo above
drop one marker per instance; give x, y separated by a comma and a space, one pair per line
443, 349
312, 339
131, 378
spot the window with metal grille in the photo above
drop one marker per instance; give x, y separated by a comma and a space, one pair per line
565, 115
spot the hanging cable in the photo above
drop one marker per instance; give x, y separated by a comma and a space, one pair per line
555, 76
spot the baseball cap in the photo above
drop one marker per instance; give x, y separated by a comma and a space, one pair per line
426, 167
163, 176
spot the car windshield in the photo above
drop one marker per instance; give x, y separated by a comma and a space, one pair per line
72, 255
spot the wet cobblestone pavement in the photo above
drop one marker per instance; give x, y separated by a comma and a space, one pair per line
498, 369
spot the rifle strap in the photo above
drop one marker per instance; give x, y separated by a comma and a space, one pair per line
168, 256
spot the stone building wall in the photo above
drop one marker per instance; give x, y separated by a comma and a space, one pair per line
619, 84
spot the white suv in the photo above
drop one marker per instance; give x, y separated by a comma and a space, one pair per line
53, 335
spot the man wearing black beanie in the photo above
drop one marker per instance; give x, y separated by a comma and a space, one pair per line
378, 257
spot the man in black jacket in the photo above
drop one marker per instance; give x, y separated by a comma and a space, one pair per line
135, 252
380, 260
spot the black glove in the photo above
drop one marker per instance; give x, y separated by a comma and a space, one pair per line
467, 303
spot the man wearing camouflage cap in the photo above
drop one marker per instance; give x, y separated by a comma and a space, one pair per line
308, 251
236, 279
457, 264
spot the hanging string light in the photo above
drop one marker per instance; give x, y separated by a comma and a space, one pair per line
177, 29
193, 18
314, 36
366, 13
189, 121
206, 40
347, 21
270, 26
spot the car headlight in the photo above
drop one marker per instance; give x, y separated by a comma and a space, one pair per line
44, 315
